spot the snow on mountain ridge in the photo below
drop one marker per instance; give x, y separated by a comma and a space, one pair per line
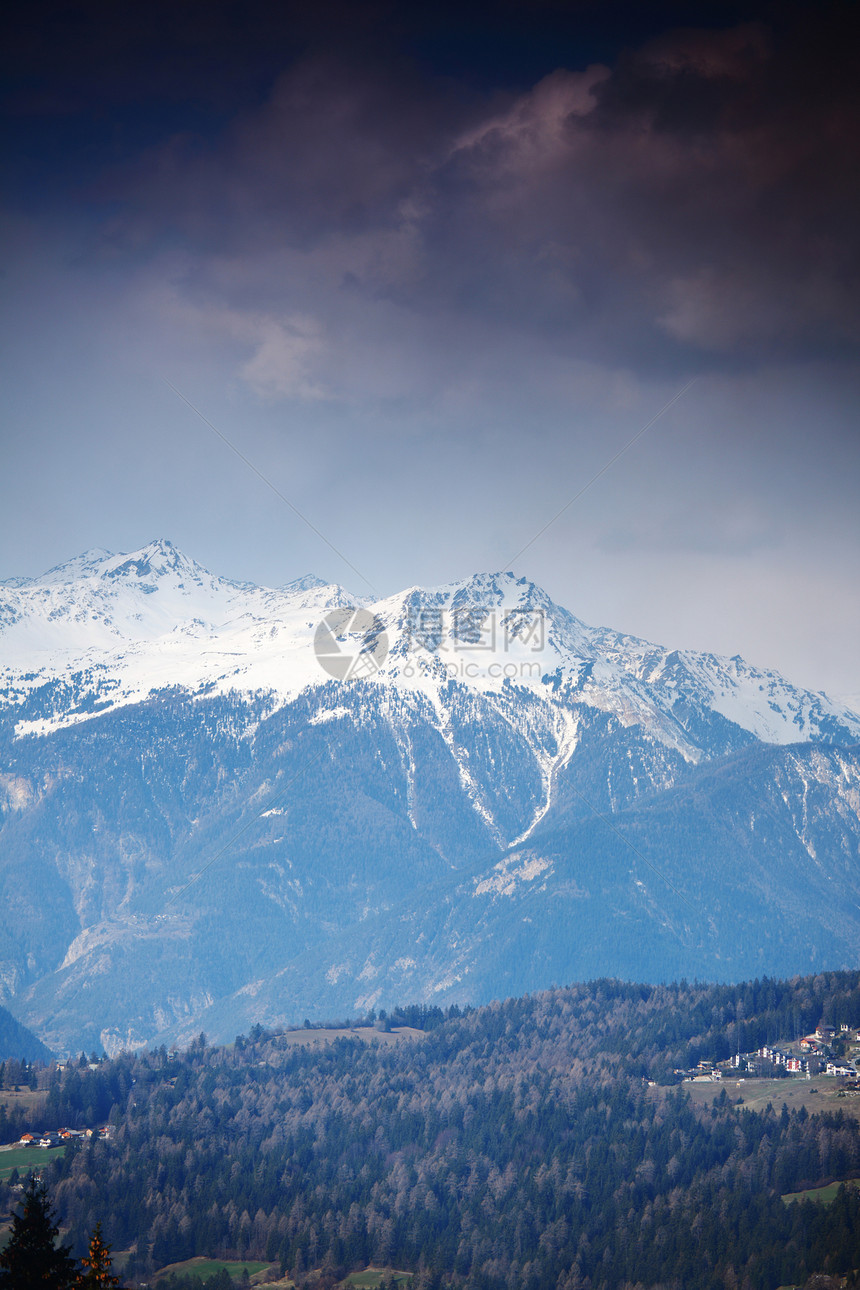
634, 680
851, 701
152, 619
156, 559
122, 626
308, 582
83, 565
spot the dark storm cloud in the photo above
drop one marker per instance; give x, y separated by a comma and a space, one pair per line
700, 196
693, 205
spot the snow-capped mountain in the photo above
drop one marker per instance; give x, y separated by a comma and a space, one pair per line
118, 628
112, 629
202, 780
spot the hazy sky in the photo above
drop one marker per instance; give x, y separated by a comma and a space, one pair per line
429, 272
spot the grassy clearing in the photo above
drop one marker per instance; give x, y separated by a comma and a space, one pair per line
370, 1278
821, 1093
821, 1195
119, 1259
26, 1158
203, 1267
29, 1099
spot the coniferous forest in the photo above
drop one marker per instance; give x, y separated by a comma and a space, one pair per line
539, 1142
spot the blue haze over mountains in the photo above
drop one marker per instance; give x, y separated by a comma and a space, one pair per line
201, 829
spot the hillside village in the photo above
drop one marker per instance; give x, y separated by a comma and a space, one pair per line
827, 1051
62, 1137
35, 1111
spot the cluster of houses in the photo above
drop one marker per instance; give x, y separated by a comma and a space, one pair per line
814, 1065
62, 1137
815, 1055
706, 1071
820, 1041
814, 1058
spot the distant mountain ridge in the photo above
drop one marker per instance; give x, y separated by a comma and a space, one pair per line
18, 1042
198, 819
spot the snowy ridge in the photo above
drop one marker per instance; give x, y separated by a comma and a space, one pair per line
117, 628
109, 630
850, 701
759, 701
531, 642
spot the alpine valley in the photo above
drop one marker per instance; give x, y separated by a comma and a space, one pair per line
202, 827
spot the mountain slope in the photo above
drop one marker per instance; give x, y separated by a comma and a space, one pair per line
19, 1042
749, 869
190, 801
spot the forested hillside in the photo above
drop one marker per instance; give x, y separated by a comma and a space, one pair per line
519, 1145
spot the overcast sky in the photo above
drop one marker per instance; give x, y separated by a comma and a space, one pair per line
429, 273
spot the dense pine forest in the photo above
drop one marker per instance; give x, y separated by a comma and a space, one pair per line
539, 1142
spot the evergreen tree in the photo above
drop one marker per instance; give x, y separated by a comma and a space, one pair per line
30, 1260
96, 1265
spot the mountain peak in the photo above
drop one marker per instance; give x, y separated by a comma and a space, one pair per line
503, 588
156, 559
85, 565
499, 590
151, 561
154, 618
307, 582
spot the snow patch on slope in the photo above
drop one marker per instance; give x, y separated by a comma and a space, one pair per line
510, 872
